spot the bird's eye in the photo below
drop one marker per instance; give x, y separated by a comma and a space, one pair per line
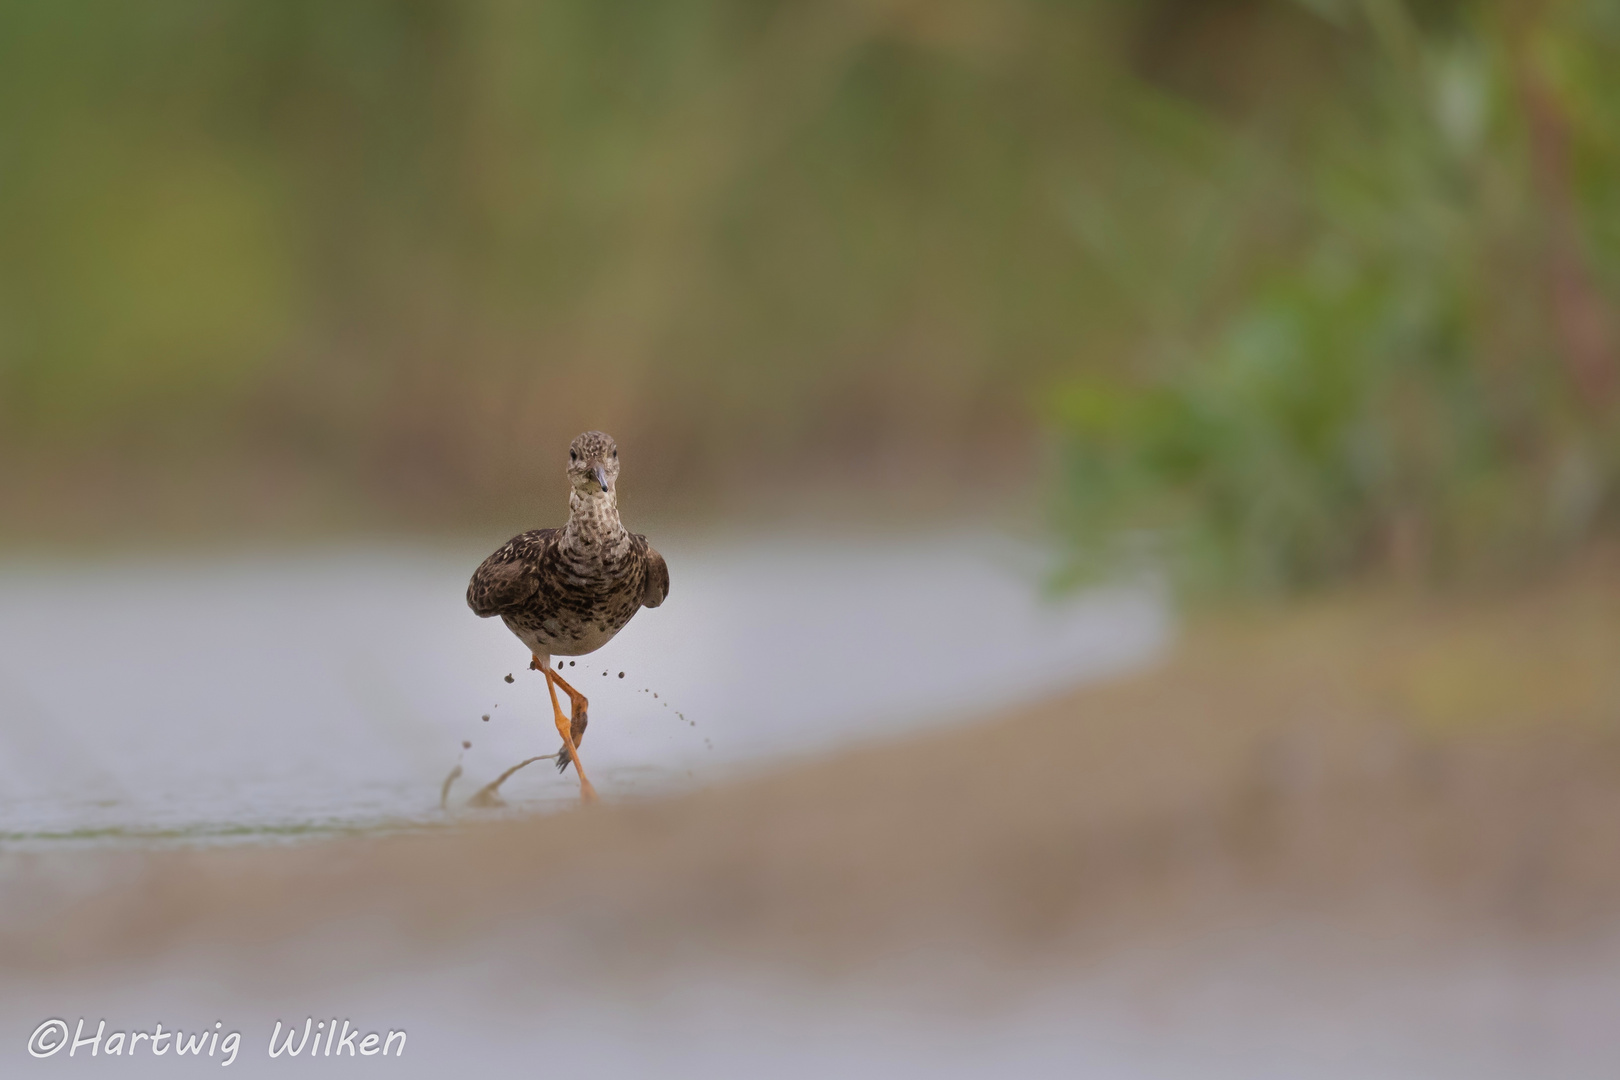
615, 455
572, 456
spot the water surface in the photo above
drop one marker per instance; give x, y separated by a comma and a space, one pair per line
327, 691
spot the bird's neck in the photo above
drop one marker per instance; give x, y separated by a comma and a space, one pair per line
593, 520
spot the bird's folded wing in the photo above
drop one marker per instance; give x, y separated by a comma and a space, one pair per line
510, 577
656, 585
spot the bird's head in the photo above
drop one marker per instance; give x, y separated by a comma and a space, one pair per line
593, 463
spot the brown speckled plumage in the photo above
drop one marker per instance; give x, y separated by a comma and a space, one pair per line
568, 591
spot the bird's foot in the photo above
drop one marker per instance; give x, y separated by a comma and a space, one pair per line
567, 753
566, 727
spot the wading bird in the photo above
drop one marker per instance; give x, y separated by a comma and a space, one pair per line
567, 591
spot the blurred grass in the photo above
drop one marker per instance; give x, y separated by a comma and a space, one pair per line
414, 245
1284, 282
1425, 380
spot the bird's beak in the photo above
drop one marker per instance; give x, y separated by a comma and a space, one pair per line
601, 477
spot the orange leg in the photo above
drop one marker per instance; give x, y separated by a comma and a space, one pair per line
578, 707
577, 710
565, 725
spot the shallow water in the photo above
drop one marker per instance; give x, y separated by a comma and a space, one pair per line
265, 696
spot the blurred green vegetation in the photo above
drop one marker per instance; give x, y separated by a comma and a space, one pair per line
1421, 376
1296, 289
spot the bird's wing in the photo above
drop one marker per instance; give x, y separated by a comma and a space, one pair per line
656, 585
511, 576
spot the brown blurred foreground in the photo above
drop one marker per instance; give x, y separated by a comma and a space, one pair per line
1445, 768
